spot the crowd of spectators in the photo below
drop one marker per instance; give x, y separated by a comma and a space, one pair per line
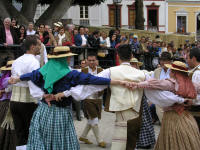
144, 49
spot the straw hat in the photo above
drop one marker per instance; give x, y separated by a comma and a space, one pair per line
177, 65
134, 60
8, 66
56, 24
60, 23
61, 51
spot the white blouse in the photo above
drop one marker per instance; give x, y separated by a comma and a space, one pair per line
196, 79
161, 98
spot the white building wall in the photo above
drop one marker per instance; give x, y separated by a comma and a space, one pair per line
99, 14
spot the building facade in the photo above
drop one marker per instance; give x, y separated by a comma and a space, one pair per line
104, 14
167, 16
183, 16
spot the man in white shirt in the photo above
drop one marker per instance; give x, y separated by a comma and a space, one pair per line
193, 60
30, 30
162, 73
22, 103
92, 105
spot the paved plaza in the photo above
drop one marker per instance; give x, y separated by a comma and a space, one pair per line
106, 129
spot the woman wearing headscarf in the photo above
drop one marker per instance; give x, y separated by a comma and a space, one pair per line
52, 127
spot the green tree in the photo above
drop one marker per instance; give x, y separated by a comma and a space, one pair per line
55, 11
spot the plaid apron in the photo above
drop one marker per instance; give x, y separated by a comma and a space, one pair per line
147, 134
52, 128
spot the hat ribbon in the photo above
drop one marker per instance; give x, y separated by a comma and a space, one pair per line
62, 52
179, 67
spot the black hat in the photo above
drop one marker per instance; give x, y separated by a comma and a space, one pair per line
166, 56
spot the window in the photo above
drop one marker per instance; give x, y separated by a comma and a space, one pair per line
84, 12
181, 24
131, 18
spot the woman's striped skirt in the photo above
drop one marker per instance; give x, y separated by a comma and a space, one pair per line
52, 128
178, 132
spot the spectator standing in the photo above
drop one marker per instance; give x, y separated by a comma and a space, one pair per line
62, 39
104, 40
41, 32
50, 37
135, 47
55, 29
69, 32
118, 36
94, 40
81, 38
15, 25
30, 30
113, 42
86, 32
22, 35
8, 36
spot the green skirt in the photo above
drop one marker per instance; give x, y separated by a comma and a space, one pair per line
52, 128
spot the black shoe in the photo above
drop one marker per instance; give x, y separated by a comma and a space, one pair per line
145, 147
79, 118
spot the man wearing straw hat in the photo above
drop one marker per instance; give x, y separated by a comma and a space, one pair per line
52, 127
193, 60
135, 63
22, 103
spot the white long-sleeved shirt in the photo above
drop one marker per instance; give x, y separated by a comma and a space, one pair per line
26, 64
196, 79
161, 98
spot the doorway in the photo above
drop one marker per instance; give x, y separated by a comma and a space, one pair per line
153, 19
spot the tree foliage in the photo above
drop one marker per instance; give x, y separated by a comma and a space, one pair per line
55, 11
76, 2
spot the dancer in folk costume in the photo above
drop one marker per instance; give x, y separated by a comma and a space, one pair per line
22, 104
52, 127
92, 105
176, 119
193, 60
124, 102
7, 132
162, 73
147, 135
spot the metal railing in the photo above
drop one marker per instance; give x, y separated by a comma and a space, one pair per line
105, 62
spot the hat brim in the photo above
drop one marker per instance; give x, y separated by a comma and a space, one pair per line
57, 25
61, 55
170, 67
4, 68
139, 63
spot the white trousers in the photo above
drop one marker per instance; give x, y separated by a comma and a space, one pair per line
120, 137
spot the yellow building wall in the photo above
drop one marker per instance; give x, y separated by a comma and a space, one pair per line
191, 14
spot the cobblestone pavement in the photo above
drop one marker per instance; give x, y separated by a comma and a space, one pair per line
106, 130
